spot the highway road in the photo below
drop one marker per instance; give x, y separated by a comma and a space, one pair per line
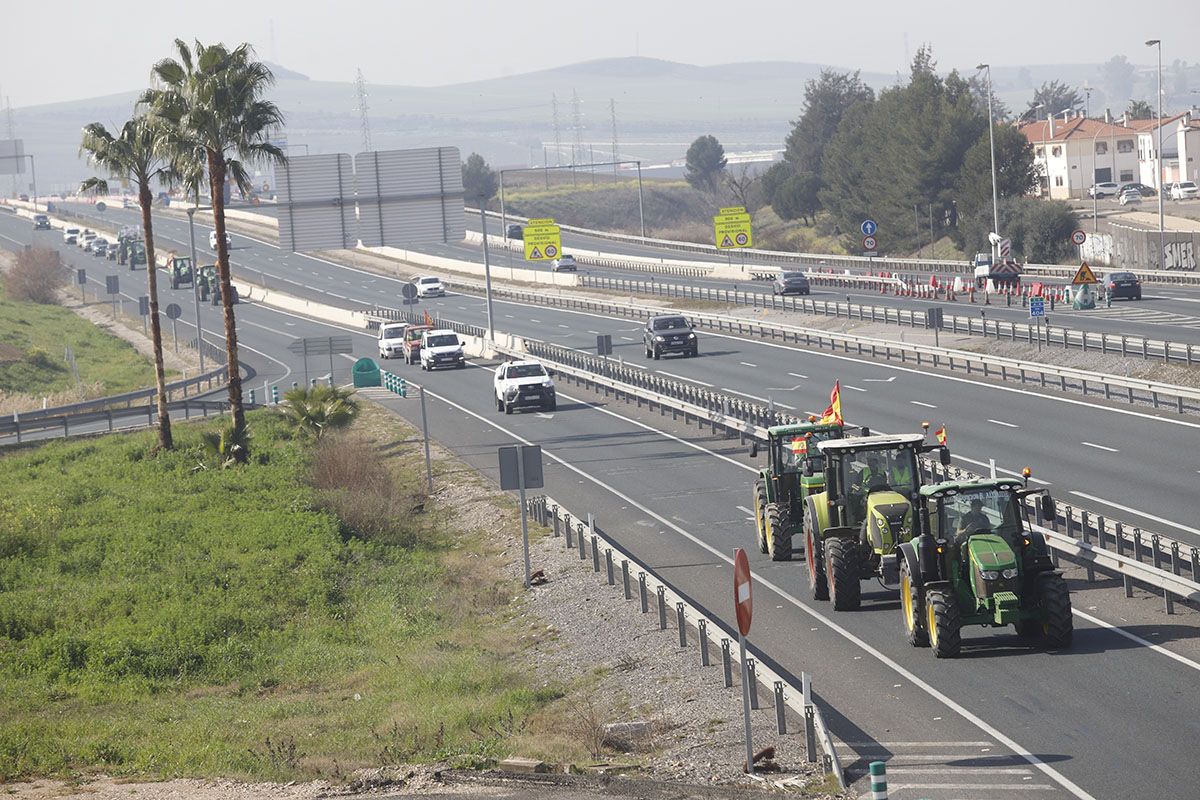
1108, 718
1084, 450
1165, 312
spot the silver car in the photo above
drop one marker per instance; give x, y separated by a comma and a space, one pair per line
565, 263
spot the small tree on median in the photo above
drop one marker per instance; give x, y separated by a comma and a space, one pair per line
479, 180
705, 163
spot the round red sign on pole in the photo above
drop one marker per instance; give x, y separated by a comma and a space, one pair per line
743, 602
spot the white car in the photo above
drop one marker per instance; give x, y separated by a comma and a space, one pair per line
212, 240
523, 383
391, 339
1185, 190
84, 238
70, 235
429, 286
1104, 189
564, 264
1130, 196
442, 348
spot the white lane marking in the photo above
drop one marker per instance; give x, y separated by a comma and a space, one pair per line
538, 321
855, 388
681, 377
798, 375
988, 464
626, 338
1100, 447
1133, 637
879, 380
594, 333
743, 508
862, 644
747, 364
559, 325
1002, 422
1129, 510
922, 405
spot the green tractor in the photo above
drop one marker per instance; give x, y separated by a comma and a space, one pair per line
977, 561
181, 272
137, 253
866, 509
782, 486
207, 275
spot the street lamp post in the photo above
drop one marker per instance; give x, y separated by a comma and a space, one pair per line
1158, 181
992, 143
191, 214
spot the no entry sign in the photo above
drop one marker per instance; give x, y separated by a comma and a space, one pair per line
743, 601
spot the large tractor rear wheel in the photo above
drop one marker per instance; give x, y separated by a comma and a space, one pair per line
779, 533
841, 564
817, 583
943, 623
1057, 624
913, 609
760, 514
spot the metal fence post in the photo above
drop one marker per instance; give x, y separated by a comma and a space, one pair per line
642, 593
662, 608
681, 621
750, 670
780, 709
608, 566
702, 633
726, 663
582, 542
595, 554
625, 579
810, 718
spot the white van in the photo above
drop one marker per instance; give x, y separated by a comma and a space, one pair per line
391, 339
442, 348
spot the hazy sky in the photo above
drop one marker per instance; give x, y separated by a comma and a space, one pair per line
69, 49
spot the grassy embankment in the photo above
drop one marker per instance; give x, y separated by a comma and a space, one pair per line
38, 334
308, 614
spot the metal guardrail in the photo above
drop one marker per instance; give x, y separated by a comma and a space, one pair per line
611, 559
1055, 336
115, 419
118, 401
856, 262
1159, 395
1101, 544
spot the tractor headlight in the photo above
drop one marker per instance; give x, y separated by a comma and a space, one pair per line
990, 575
658, 338
1010, 573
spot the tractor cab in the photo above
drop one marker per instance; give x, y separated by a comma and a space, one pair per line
867, 508
795, 469
977, 561
207, 280
181, 272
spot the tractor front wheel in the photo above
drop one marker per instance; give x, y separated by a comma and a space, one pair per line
779, 534
910, 604
841, 564
760, 520
817, 583
1057, 623
943, 623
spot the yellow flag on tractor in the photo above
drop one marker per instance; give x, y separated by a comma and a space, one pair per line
833, 414
940, 433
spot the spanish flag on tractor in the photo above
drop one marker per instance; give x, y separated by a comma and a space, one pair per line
940, 433
833, 414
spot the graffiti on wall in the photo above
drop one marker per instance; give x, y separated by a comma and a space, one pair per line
1179, 255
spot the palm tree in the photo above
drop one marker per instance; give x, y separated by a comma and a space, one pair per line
317, 410
215, 121
131, 154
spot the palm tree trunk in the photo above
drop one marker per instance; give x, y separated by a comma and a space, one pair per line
216, 175
165, 441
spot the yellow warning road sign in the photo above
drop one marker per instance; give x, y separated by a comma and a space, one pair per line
543, 241
730, 211
732, 231
1084, 275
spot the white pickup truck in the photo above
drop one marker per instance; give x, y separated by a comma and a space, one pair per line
442, 348
523, 383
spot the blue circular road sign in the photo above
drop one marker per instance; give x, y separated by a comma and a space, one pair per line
868, 227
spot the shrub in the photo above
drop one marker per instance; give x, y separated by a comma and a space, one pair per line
35, 277
317, 410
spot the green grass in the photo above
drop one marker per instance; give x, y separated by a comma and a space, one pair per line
42, 331
161, 619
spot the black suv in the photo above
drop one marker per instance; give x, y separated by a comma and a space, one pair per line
669, 333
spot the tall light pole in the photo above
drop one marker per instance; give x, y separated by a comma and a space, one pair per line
191, 212
1158, 182
992, 142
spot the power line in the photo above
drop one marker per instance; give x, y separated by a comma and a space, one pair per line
360, 88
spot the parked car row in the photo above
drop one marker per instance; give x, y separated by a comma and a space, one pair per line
1125, 192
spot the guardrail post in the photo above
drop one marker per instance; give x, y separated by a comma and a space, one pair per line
625, 578
1137, 545
555, 520
642, 593
753, 680
595, 554
1087, 539
810, 719
702, 633
567, 533
780, 709
608, 566
1195, 564
662, 608
1120, 534
726, 663
582, 543
1100, 531
681, 621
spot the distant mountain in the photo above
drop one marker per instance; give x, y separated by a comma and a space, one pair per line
285, 74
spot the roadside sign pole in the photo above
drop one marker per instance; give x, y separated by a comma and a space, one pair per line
331, 361
524, 517
304, 341
1039, 333
425, 430
746, 704
175, 334
487, 272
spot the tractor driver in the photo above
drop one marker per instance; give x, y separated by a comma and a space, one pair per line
974, 521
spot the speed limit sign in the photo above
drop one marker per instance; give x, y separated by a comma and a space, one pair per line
1078, 237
